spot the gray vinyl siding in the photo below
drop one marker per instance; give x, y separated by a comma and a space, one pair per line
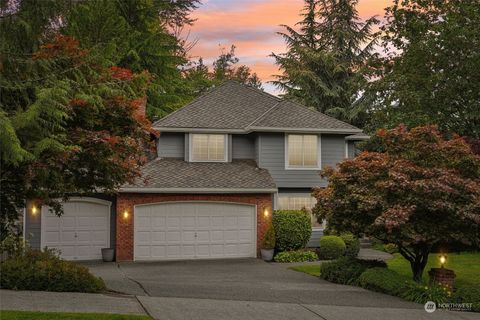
272, 157
257, 150
186, 147
351, 149
33, 223
243, 147
171, 145
314, 241
32, 226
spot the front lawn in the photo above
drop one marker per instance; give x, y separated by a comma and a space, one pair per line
466, 266
313, 270
33, 315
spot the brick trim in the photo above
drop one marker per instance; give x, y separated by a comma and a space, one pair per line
127, 201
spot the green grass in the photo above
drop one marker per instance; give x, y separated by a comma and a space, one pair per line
313, 270
31, 315
466, 266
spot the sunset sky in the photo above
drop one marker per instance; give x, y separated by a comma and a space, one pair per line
252, 25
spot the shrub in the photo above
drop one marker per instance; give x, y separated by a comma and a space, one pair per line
352, 244
269, 238
421, 293
12, 245
293, 229
382, 280
331, 247
468, 294
347, 270
43, 270
296, 256
390, 248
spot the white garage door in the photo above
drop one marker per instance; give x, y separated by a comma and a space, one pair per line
194, 230
81, 232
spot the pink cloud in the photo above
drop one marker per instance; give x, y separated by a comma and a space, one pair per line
252, 25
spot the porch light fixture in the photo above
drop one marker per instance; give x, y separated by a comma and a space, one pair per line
34, 210
265, 212
125, 214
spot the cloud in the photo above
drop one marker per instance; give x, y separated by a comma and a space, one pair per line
252, 25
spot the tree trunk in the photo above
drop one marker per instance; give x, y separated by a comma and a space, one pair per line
418, 258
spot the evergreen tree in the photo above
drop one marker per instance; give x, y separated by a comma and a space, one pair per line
430, 72
326, 59
68, 124
224, 69
139, 35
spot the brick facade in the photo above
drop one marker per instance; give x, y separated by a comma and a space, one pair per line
127, 201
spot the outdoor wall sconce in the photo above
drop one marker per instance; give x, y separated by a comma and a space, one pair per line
34, 210
125, 214
265, 212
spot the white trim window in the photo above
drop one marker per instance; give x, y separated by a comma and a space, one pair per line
298, 202
302, 151
208, 147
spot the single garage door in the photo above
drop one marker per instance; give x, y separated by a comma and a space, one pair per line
194, 230
81, 232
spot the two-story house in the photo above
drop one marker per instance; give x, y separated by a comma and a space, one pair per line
224, 162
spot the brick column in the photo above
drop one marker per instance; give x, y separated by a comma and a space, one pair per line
442, 276
124, 236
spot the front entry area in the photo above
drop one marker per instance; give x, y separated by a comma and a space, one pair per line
81, 232
194, 230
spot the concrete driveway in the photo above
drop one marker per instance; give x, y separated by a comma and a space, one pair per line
250, 289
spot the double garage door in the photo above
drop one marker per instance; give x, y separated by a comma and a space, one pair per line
81, 232
194, 230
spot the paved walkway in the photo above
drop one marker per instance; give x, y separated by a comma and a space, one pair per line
69, 302
161, 308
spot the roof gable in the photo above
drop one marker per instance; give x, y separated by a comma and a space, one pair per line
235, 107
229, 106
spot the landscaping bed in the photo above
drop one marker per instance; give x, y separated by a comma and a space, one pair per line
394, 278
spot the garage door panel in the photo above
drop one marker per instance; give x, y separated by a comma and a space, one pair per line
67, 221
173, 223
158, 236
188, 222
194, 230
52, 236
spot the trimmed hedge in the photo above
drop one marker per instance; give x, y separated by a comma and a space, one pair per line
293, 229
382, 280
352, 244
331, 247
296, 256
347, 270
44, 271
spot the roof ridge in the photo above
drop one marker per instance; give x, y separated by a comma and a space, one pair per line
254, 89
209, 90
263, 114
316, 111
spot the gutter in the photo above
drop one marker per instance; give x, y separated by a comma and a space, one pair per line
195, 190
259, 129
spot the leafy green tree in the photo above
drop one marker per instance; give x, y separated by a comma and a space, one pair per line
422, 190
325, 65
430, 72
69, 125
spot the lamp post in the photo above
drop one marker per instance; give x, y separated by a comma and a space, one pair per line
442, 275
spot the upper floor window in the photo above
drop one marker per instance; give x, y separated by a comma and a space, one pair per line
302, 151
208, 147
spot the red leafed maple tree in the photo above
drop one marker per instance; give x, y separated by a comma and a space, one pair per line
422, 190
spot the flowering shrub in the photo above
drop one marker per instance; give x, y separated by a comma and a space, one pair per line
422, 293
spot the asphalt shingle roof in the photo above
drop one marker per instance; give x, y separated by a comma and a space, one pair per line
229, 106
175, 173
235, 106
288, 114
